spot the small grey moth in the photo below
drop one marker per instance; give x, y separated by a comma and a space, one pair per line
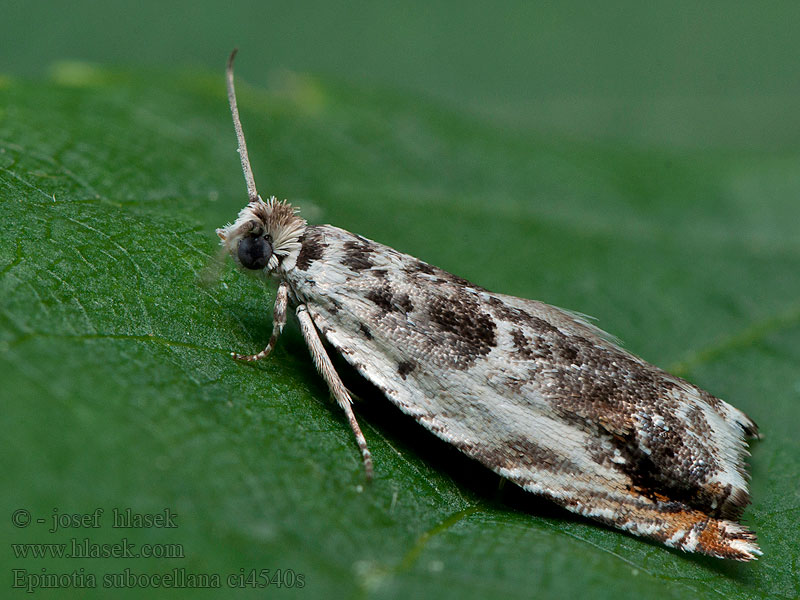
534, 392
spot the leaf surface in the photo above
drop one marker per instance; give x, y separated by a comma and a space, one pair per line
116, 326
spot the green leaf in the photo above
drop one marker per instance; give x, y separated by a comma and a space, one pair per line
119, 391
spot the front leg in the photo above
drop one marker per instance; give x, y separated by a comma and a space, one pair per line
325, 368
278, 321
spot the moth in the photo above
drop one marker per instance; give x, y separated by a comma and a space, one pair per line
535, 393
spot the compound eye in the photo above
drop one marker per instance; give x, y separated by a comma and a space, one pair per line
254, 252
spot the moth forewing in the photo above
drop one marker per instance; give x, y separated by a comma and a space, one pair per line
533, 392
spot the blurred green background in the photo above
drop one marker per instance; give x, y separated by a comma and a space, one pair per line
715, 73
636, 163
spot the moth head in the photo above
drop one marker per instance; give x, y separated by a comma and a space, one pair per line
263, 235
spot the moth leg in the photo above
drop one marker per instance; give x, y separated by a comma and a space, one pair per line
325, 368
278, 321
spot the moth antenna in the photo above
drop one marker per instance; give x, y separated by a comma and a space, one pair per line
237, 125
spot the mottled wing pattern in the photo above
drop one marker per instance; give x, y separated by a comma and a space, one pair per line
535, 393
